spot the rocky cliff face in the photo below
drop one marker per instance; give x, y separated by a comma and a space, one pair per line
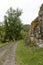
36, 29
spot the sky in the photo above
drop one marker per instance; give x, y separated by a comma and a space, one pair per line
29, 8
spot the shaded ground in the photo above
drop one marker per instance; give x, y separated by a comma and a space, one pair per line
7, 54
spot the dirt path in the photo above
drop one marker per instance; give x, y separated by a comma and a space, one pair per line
8, 55
4, 49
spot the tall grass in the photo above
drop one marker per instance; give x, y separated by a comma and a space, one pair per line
26, 55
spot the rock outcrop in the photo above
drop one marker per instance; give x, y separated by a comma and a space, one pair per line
36, 29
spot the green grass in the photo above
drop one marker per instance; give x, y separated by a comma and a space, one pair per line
26, 55
3, 44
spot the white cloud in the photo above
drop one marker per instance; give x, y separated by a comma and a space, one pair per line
30, 8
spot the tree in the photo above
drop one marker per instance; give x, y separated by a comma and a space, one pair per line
1, 31
26, 27
12, 24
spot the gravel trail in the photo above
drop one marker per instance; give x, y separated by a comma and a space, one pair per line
7, 54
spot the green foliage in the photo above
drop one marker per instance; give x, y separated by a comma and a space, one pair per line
27, 39
26, 27
23, 33
12, 24
2, 45
26, 55
1, 32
